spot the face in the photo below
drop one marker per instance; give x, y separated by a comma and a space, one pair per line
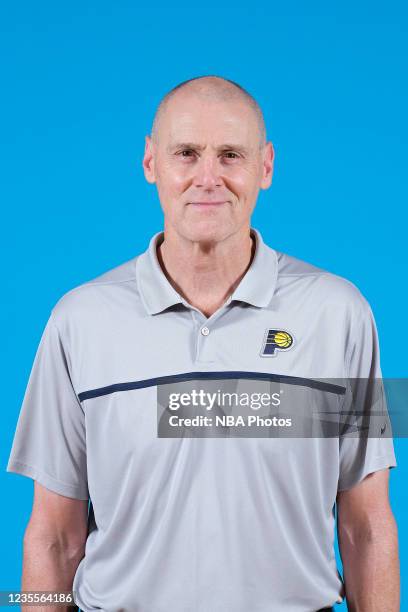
208, 164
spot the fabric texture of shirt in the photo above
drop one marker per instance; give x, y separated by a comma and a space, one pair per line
187, 523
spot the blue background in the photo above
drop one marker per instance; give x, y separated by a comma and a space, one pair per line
80, 82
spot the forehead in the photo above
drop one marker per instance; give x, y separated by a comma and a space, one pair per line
189, 118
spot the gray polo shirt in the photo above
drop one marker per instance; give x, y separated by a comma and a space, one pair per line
217, 523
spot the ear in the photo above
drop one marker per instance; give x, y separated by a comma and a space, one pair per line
148, 161
267, 169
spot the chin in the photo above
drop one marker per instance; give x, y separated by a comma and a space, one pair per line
207, 231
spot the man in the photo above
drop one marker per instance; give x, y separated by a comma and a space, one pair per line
201, 523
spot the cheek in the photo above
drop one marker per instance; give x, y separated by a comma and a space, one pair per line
242, 181
172, 180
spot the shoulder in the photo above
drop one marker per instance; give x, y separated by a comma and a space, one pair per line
92, 298
325, 287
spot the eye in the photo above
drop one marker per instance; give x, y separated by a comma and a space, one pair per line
230, 155
186, 153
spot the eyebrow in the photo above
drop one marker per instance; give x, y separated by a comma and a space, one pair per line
197, 147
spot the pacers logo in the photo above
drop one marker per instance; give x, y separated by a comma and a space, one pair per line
276, 340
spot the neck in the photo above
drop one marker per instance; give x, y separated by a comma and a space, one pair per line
206, 274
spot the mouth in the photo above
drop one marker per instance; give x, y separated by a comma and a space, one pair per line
207, 204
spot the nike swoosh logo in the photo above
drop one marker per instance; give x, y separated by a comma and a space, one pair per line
383, 429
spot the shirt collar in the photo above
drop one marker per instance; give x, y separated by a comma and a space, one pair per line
256, 287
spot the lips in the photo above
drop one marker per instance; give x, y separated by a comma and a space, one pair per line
208, 203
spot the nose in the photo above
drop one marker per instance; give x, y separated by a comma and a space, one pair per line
207, 175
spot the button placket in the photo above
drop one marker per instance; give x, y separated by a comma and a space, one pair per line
203, 330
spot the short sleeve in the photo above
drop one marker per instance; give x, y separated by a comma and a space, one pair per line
49, 444
364, 453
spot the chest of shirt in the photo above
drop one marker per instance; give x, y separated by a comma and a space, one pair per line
135, 348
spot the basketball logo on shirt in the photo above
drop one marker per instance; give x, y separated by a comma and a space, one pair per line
276, 340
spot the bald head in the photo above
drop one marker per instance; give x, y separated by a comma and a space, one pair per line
211, 89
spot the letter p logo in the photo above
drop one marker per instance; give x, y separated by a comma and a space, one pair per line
276, 340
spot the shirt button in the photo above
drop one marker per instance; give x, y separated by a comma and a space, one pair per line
205, 331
